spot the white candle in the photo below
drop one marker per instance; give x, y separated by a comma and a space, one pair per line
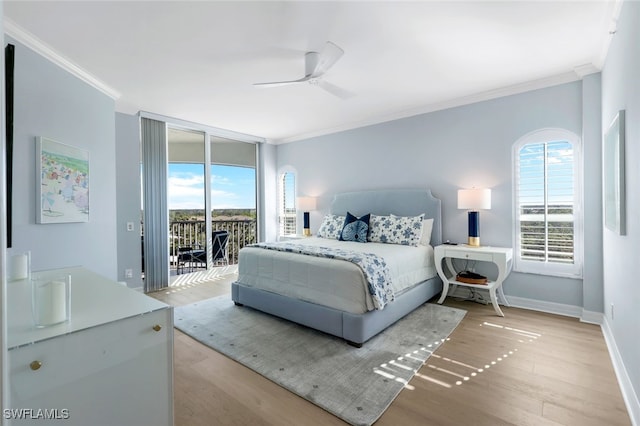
58, 301
20, 266
50, 302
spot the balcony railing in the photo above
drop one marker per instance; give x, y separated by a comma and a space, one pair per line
192, 234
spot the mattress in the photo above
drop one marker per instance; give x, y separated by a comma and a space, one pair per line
333, 283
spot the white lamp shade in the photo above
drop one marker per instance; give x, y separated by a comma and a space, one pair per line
306, 204
474, 199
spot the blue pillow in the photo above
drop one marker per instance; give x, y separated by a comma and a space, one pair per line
355, 228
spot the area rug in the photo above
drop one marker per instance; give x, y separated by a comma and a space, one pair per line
355, 384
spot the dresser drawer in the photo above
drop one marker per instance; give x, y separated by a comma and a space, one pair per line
471, 255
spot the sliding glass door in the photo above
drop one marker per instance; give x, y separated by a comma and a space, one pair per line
212, 204
199, 202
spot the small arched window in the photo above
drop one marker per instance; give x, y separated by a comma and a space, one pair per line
548, 212
287, 203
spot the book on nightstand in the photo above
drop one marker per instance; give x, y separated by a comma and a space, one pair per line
469, 277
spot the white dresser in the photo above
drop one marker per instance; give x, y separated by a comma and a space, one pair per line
110, 364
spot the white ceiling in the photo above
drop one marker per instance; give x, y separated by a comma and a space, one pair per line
196, 61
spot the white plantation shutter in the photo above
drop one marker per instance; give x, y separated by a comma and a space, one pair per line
547, 210
287, 208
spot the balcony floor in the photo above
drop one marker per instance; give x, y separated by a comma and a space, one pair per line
200, 275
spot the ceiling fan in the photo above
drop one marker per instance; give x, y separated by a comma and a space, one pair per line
315, 66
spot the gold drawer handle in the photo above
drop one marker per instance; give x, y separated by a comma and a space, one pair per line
35, 365
157, 327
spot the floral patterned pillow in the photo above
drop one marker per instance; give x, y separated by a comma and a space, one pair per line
396, 229
331, 226
378, 224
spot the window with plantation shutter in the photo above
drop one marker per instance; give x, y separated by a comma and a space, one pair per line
548, 203
287, 204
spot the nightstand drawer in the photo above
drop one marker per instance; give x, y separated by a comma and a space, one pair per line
487, 257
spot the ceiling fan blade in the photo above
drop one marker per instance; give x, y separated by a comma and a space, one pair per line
283, 83
335, 90
327, 57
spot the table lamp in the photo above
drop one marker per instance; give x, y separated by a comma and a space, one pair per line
474, 200
306, 204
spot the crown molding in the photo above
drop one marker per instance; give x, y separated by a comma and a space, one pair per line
584, 70
34, 43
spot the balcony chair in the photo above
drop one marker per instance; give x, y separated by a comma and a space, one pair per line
220, 241
185, 259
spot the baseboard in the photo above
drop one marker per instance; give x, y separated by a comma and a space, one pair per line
543, 306
592, 317
537, 305
628, 393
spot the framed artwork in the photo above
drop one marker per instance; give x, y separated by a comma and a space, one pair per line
613, 175
62, 179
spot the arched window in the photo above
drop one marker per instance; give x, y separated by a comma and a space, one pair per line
548, 212
287, 203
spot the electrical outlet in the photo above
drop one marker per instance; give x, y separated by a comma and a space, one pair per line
130, 226
128, 273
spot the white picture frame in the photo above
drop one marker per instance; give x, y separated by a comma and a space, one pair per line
613, 159
62, 182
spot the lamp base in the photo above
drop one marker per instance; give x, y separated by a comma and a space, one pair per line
306, 232
474, 228
474, 241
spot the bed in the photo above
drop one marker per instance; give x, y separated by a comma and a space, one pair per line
331, 295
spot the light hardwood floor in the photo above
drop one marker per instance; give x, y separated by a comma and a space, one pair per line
528, 368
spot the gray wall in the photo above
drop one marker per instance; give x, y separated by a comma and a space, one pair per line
128, 198
621, 90
52, 103
451, 149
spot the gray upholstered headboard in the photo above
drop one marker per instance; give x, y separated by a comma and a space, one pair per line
400, 202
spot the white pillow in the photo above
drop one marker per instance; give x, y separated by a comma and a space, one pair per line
427, 228
331, 226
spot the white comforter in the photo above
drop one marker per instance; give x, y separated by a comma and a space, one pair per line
334, 283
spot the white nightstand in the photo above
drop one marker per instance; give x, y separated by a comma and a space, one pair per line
501, 256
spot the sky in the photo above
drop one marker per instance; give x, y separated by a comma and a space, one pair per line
560, 186
231, 187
